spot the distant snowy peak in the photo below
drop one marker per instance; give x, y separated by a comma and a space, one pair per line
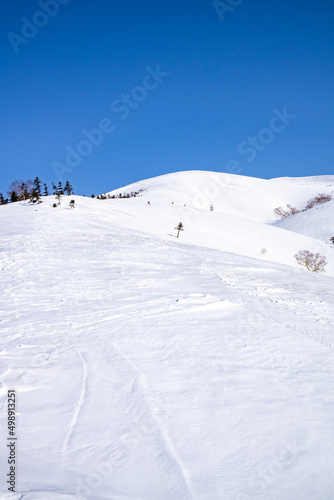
324, 181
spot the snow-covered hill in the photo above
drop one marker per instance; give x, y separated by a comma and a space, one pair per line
243, 218
153, 368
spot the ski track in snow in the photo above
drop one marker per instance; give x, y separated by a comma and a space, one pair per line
164, 432
80, 401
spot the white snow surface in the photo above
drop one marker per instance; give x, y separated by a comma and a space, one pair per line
148, 367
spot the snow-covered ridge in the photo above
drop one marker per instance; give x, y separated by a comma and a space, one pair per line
247, 197
243, 209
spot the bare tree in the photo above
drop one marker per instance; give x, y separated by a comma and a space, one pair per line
314, 262
21, 189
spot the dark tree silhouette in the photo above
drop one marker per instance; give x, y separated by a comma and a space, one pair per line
68, 189
3, 201
13, 197
60, 188
179, 228
37, 186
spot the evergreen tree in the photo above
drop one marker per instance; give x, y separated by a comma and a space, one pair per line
13, 197
46, 192
179, 228
35, 193
34, 196
37, 187
68, 189
54, 188
60, 189
3, 201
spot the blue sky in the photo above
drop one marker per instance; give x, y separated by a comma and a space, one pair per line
227, 75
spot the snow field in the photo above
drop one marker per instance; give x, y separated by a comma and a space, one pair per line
153, 368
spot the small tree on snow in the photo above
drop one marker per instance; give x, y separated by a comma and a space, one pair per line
68, 189
211, 208
179, 228
37, 187
314, 262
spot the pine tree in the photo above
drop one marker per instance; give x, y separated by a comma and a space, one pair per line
37, 186
34, 196
13, 197
60, 188
35, 193
68, 189
54, 188
46, 192
3, 201
179, 228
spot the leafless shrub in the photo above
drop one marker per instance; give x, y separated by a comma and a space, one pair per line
314, 262
263, 251
318, 200
282, 213
292, 210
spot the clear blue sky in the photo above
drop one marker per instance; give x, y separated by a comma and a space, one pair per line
227, 73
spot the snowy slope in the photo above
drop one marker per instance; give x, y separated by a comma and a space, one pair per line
315, 222
242, 218
148, 367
